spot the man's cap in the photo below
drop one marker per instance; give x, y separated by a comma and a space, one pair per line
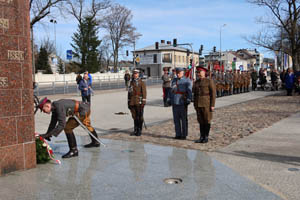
179, 69
135, 71
42, 103
201, 69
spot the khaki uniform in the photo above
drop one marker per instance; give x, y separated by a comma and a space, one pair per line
248, 81
137, 95
235, 83
204, 91
204, 99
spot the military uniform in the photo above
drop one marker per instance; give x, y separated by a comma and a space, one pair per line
235, 82
227, 79
254, 78
218, 83
248, 81
137, 95
62, 109
180, 97
204, 91
166, 78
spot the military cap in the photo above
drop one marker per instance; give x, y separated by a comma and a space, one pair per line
135, 71
179, 69
42, 103
201, 69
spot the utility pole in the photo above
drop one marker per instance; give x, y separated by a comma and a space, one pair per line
221, 44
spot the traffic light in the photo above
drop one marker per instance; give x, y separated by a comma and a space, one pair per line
174, 42
200, 50
156, 45
188, 53
214, 49
127, 53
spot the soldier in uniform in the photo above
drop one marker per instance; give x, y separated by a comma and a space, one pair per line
230, 82
227, 83
136, 101
166, 78
204, 91
239, 81
235, 82
218, 83
248, 80
62, 109
180, 97
222, 83
254, 78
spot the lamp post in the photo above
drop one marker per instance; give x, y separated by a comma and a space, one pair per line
54, 22
221, 43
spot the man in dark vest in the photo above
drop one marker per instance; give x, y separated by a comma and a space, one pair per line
204, 91
137, 95
61, 109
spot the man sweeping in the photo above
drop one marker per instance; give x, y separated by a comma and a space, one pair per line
61, 109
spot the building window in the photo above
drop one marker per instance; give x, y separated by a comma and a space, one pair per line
154, 58
167, 58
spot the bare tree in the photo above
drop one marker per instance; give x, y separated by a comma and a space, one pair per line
105, 53
120, 30
40, 9
281, 31
82, 8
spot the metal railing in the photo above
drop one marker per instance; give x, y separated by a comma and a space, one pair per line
66, 87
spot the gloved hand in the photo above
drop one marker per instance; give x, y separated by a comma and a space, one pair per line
46, 136
168, 101
188, 101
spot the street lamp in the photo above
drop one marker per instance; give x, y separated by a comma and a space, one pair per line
54, 22
221, 43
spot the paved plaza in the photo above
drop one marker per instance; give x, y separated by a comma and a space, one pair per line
263, 165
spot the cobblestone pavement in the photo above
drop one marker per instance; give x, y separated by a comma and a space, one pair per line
229, 124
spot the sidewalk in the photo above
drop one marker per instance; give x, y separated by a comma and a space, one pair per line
270, 157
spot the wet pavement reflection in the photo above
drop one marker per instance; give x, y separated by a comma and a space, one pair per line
130, 170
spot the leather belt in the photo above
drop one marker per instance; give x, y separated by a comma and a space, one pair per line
76, 108
179, 92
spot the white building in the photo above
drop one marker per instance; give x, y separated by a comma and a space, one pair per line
152, 59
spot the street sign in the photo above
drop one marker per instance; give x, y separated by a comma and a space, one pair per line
137, 59
69, 54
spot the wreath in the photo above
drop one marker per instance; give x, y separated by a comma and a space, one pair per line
44, 152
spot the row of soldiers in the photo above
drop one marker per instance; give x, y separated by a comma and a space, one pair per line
228, 83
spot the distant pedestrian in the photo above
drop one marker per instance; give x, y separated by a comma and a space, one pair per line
89, 78
274, 79
282, 78
204, 91
166, 85
180, 97
127, 79
289, 81
85, 88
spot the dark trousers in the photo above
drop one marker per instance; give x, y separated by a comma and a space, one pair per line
180, 120
289, 91
86, 98
166, 91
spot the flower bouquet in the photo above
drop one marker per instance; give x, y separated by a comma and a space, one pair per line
44, 152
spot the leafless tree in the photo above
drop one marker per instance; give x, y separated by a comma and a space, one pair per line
281, 29
82, 8
120, 29
105, 53
39, 9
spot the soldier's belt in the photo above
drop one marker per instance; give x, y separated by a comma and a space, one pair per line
179, 92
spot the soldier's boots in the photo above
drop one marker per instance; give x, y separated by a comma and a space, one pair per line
94, 142
139, 128
202, 134
207, 129
135, 128
72, 145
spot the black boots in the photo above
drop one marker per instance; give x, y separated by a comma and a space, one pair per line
94, 142
138, 127
204, 133
72, 145
135, 128
207, 129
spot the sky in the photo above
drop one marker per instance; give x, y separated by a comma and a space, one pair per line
190, 21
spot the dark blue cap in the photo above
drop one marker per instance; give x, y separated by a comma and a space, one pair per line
179, 69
